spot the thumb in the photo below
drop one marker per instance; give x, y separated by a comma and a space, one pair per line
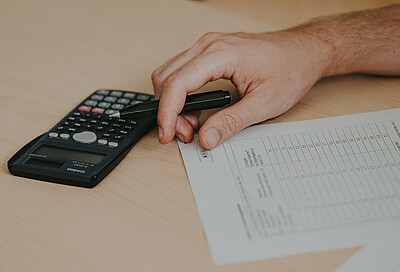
227, 122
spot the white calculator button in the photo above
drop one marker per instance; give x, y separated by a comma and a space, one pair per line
104, 105
102, 142
123, 101
110, 99
85, 137
97, 97
113, 144
90, 103
108, 112
129, 95
117, 106
103, 92
116, 93
64, 136
53, 134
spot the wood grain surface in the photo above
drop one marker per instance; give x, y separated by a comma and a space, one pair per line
142, 217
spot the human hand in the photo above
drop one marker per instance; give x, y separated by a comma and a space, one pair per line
271, 71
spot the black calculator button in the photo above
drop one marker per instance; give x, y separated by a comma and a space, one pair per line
132, 123
143, 97
111, 130
88, 126
92, 103
118, 137
85, 137
116, 93
121, 121
71, 118
77, 114
82, 120
105, 105
123, 132
104, 123
117, 106
134, 102
106, 135
123, 101
72, 130
103, 92
128, 127
111, 99
129, 95
77, 125
97, 97
94, 122
99, 128
116, 125
152, 98
60, 128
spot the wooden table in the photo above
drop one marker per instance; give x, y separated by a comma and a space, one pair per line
142, 217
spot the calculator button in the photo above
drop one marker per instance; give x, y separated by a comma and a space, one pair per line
77, 114
121, 121
110, 99
94, 121
128, 127
129, 95
113, 144
64, 136
118, 137
53, 134
123, 132
71, 118
103, 92
133, 123
84, 108
134, 102
92, 103
82, 120
104, 105
117, 106
116, 93
77, 125
111, 130
72, 130
123, 101
101, 141
116, 125
60, 128
98, 110
152, 98
143, 97
99, 128
85, 137
109, 112
104, 123
106, 135
97, 97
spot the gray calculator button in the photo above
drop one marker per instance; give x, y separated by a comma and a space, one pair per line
152, 98
90, 103
143, 97
103, 92
123, 101
129, 95
117, 106
108, 112
110, 99
104, 104
113, 144
97, 97
53, 134
134, 102
64, 136
85, 137
102, 141
116, 93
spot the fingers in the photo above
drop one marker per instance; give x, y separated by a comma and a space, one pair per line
190, 77
161, 73
184, 130
227, 122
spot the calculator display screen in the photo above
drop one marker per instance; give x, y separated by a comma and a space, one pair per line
69, 154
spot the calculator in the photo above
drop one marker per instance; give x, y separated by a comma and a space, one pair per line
86, 144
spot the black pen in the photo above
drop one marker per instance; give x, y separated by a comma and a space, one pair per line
194, 102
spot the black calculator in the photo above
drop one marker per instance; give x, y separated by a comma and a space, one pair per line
86, 144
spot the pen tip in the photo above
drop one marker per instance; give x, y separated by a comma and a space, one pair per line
115, 114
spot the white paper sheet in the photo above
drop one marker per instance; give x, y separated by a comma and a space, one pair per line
382, 257
282, 189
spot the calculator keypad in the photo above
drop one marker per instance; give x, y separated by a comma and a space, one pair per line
91, 124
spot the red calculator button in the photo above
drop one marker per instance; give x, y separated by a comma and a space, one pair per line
98, 110
84, 108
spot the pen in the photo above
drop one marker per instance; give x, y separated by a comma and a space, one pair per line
194, 102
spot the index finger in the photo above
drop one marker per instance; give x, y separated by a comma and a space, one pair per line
188, 78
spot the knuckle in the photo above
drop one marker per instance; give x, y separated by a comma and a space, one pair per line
232, 122
170, 81
155, 76
209, 36
217, 45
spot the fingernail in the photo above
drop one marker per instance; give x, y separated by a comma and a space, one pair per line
212, 137
160, 133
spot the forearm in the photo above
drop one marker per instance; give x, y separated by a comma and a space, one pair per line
363, 42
